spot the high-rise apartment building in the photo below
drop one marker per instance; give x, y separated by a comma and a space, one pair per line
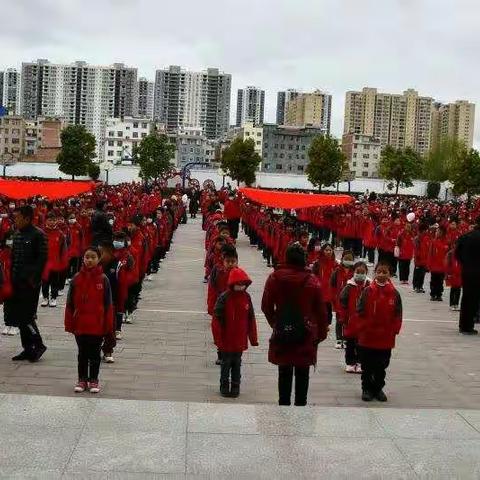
250, 106
145, 94
10, 91
453, 120
363, 154
311, 110
408, 119
186, 99
282, 102
80, 93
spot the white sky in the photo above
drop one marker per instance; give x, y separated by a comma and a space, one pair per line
335, 45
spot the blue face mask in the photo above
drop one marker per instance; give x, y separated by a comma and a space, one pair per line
118, 244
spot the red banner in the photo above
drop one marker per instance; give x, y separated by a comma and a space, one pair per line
289, 201
23, 189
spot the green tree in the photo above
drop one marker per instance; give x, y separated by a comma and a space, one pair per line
154, 155
465, 174
440, 159
401, 167
94, 171
78, 150
240, 161
327, 163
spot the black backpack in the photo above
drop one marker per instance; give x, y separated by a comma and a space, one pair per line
290, 328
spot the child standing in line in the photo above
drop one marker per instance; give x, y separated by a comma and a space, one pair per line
89, 316
323, 269
6, 288
340, 276
379, 310
233, 325
453, 279
348, 304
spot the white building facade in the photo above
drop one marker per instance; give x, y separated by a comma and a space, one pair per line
363, 154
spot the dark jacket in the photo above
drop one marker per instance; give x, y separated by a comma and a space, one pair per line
101, 229
468, 252
278, 290
29, 256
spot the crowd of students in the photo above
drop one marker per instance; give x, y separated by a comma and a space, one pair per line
368, 312
104, 245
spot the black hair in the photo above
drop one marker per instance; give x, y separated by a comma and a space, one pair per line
120, 235
229, 251
360, 263
93, 248
312, 242
347, 252
295, 255
384, 263
26, 212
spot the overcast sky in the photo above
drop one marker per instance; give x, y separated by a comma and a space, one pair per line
335, 45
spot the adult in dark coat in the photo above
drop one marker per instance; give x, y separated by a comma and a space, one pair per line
194, 203
468, 255
292, 284
102, 231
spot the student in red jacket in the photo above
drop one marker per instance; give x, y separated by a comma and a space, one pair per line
404, 250
234, 326
89, 316
349, 318
323, 269
340, 276
453, 278
436, 263
379, 310
421, 248
75, 245
6, 288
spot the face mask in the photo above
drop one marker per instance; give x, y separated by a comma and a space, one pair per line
318, 248
71, 221
110, 221
4, 215
118, 244
347, 263
239, 288
12, 206
9, 243
360, 277
149, 220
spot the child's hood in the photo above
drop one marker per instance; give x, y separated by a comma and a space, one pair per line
237, 275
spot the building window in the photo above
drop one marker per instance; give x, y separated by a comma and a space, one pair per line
111, 143
110, 153
300, 168
355, 146
135, 124
282, 155
366, 155
354, 164
135, 134
365, 164
15, 141
282, 146
144, 125
144, 135
266, 165
290, 147
119, 134
364, 174
354, 155
279, 166
111, 134
120, 143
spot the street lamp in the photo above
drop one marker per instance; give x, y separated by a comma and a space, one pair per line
6, 162
107, 166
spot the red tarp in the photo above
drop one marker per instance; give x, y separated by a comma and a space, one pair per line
23, 189
289, 201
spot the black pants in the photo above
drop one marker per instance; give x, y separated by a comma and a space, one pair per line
51, 286
419, 277
357, 247
455, 296
470, 301
369, 253
374, 365
404, 270
74, 266
23, 305
285, 380
231, 365
436, 284
351, 352
349, 244
233, 226
329, 312
89, 347
338, 328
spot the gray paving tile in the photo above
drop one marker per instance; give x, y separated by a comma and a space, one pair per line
87, 475
128, 451
442, 459
29, 473
425, 423
267, 457
263, 420
472, 417
44, 411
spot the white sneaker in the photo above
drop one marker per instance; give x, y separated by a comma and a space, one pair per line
339, 345
45, 302
6, 331
118, 335
13, 331
351, 368
108, 359
53, 303
67, 281
60, 293
358, 368
149, 278
129, 318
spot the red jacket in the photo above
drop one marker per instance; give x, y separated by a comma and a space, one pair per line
89, 304
379, 310
234, 323
421, 249
57, 259
217, 284
340, 276
232, 209
453, 270
6, 288
125, 277
405, 244
437, 255
75, 240
280, 285
348, 305
323, 269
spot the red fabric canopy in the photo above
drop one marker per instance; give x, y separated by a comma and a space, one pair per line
23, 189
289, 201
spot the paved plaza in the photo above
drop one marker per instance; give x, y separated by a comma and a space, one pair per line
160, 412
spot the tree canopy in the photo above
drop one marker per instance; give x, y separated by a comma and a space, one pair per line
401, 167
154, 155
78, 150
465, 173
240, 161
441, 158
327, 162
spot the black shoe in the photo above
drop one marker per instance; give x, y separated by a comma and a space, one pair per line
235, 390
439, 299
367, 396
218, 361
469, 332
21, 356
381, 397
433, 299
37, 353
224, 389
